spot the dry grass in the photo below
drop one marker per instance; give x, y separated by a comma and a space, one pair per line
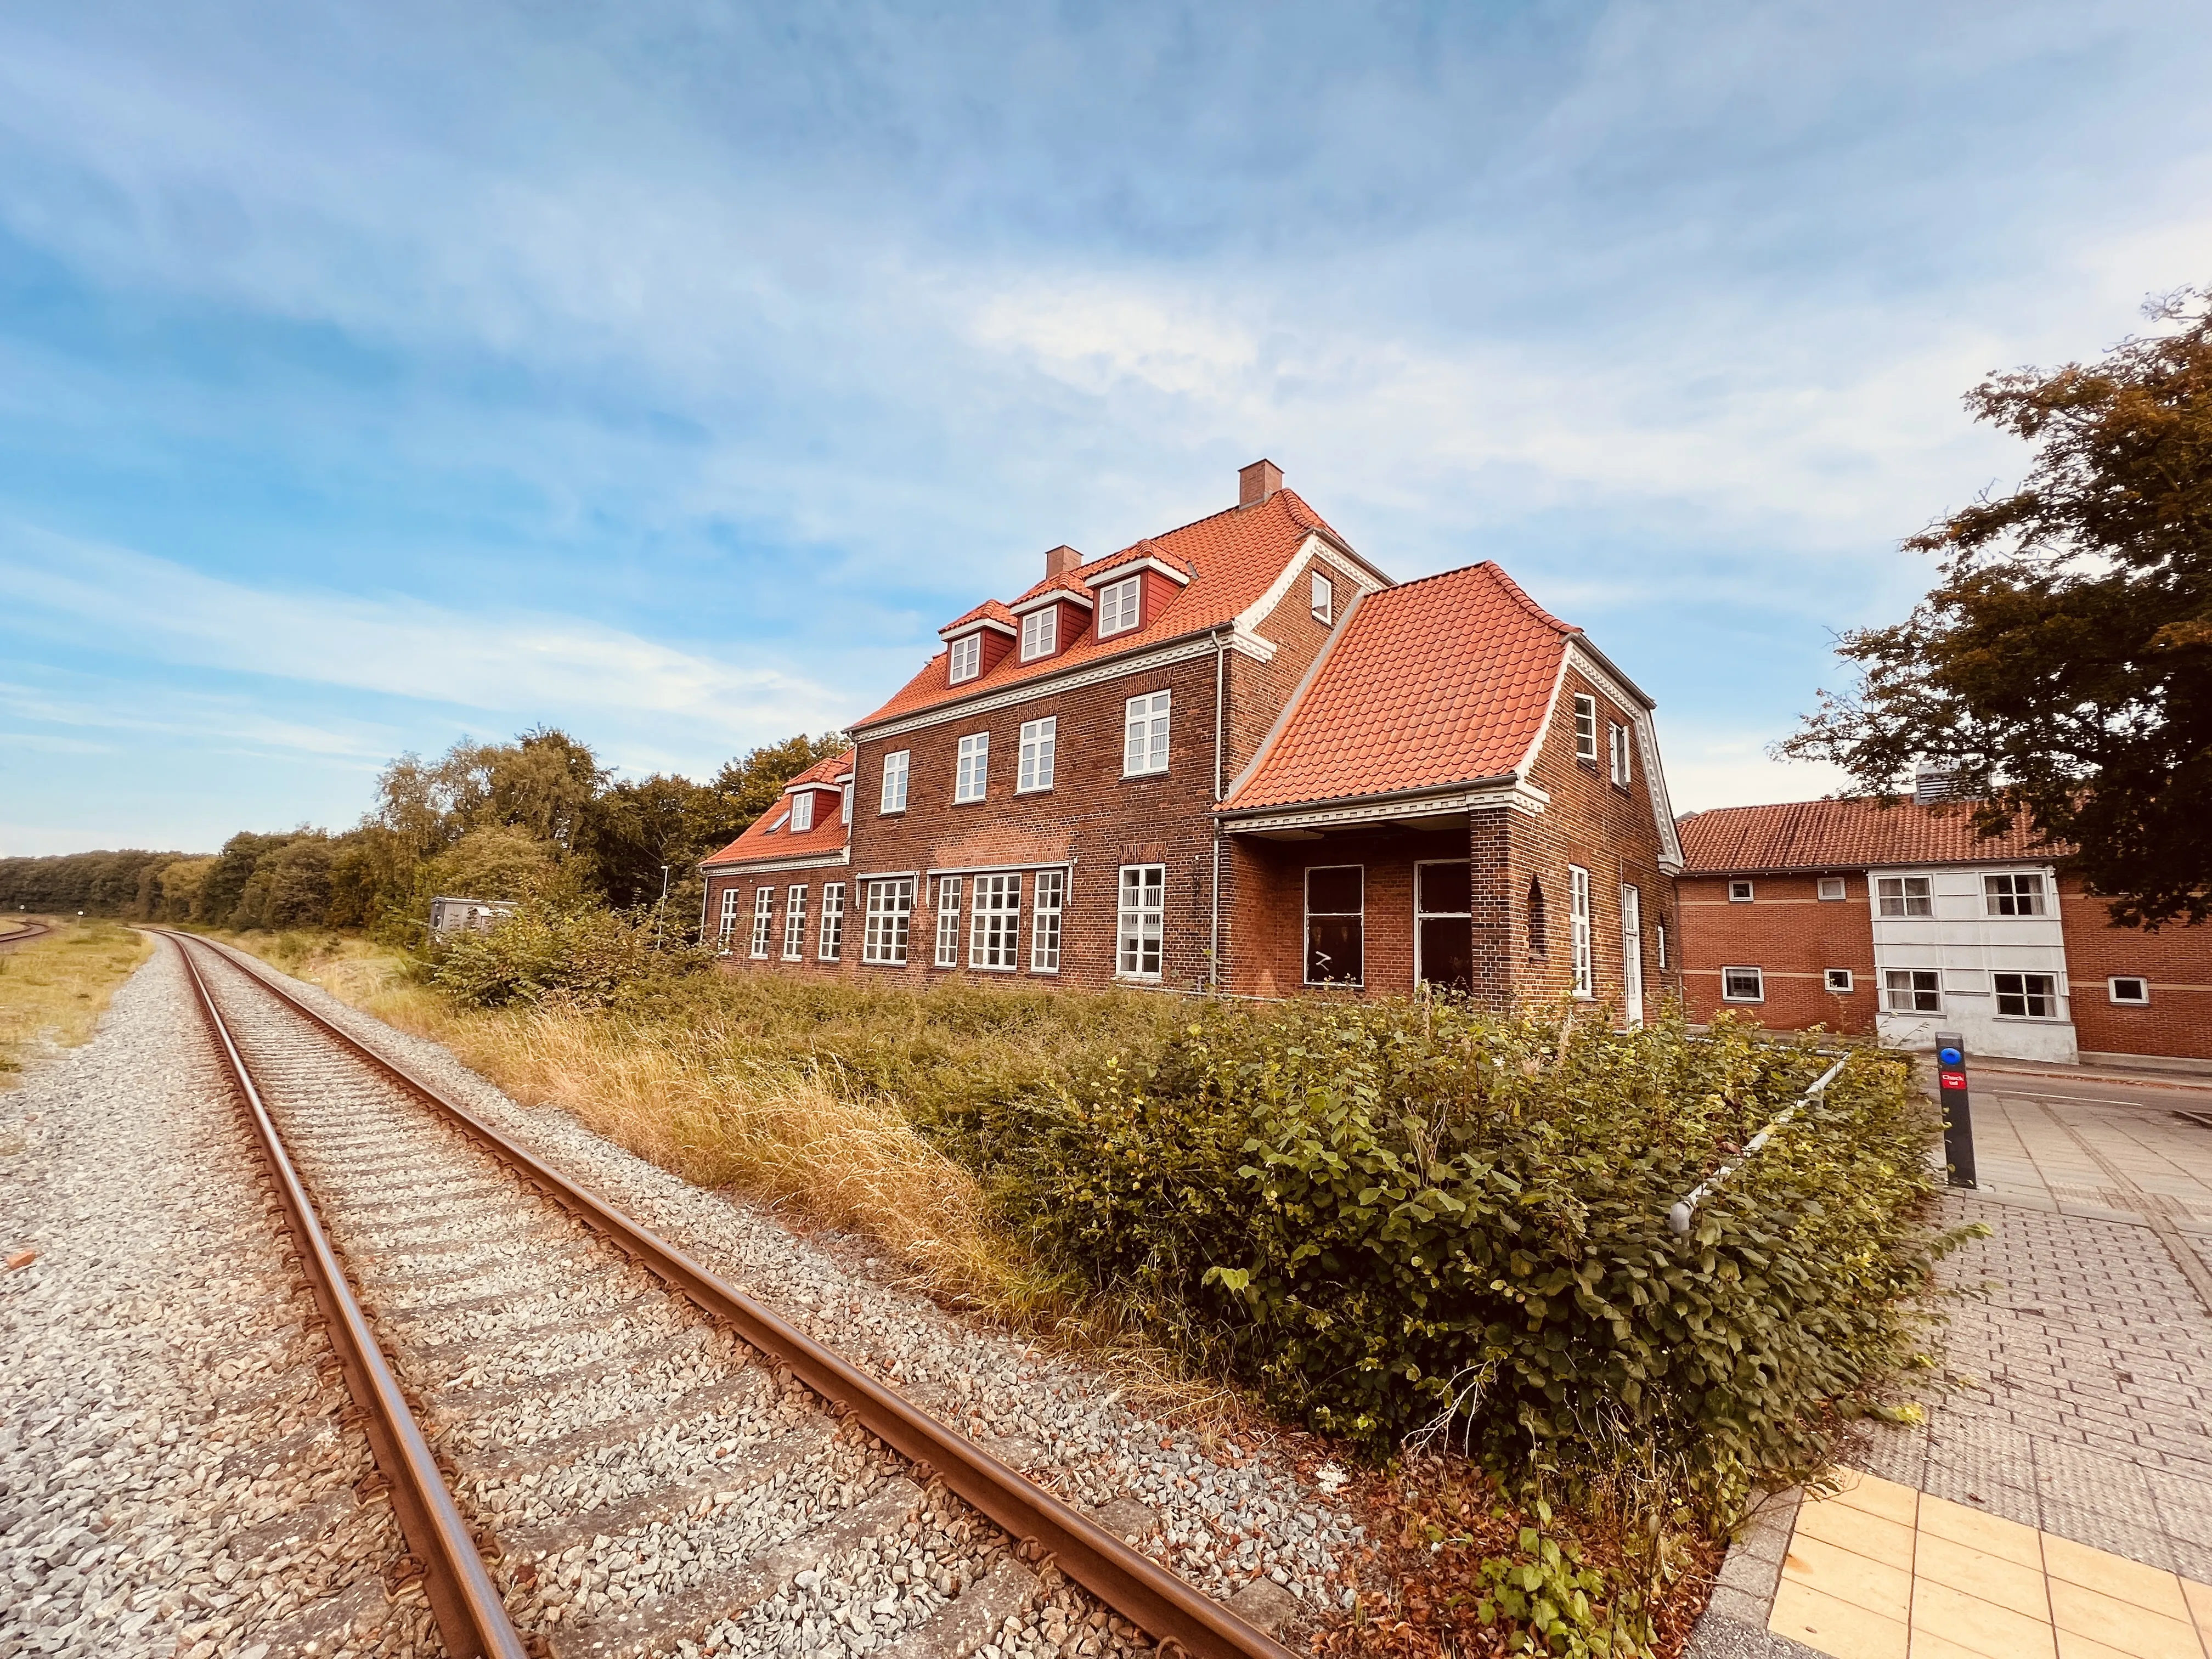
53, 990
666, 1088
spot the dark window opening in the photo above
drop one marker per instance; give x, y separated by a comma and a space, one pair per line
1539, 933
1336, 925
1443, 906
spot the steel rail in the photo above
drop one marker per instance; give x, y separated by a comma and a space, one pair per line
24, 934
470, 1616
1179, 1618
1679, 1218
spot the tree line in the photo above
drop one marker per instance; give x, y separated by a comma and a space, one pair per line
539, 817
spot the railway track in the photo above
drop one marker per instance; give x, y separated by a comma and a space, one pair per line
596, 1449
24, 934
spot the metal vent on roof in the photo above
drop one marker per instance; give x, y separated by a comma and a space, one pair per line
1931, 784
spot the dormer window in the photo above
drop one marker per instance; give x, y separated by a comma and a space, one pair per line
967, 658
802, 811
1041, 633
1117, 606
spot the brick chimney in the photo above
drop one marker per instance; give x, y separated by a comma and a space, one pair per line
1062, 559
1255, 483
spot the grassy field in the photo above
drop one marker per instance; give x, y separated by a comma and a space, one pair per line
52, 990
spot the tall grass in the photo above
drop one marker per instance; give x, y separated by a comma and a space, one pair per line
53, 990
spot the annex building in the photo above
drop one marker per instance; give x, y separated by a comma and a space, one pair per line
1233, 757
1897, 921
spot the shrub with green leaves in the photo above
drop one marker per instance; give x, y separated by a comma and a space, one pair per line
582, 957
1405, 1218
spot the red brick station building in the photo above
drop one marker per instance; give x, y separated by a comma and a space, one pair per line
1236, 756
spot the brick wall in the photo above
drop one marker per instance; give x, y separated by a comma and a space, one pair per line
1793, 937
2176, 960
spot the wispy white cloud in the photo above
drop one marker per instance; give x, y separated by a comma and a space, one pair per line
517, 662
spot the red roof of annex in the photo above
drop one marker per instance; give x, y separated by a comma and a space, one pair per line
767, 837
1436, 682
1856, 832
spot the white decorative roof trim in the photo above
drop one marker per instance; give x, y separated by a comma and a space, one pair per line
1113, 573
1067, 863
772, 861
1318, 548
961, 630
1067, 679
1520, 795
1052, 596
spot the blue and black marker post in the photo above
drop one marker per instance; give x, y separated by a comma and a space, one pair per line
1958, 1114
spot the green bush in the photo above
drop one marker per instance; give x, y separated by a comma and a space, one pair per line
546, 953
1406, 1218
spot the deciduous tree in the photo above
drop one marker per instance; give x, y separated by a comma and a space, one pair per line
2062, 669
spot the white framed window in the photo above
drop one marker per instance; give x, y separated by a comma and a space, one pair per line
832, 944
729, 921
1740, 892
763, 914
1578, 917
1838, 980
1324, 599
1336, 924
1743, 985
994, 925
2129, 990
948, 920
895, 771
1144, 735
1044, 920
1117, 606
1041, 633
2025, 996
891, 912
1617, 741
794, 925
2013, 895
1829, 888
975, 764
1904, 895
802, 810
1039, 739
1585, 728
845, 805
966, 661
1911, 991
1659, 945
1139, 924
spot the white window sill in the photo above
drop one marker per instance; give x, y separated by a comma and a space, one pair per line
1740, 1002
969, 800
1036, 789
1137, 978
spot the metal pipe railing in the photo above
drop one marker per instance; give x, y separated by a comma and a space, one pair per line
1679, 1218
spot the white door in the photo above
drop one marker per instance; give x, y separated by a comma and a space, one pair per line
1632, 956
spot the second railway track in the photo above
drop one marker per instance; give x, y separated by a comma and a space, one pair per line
620, 1455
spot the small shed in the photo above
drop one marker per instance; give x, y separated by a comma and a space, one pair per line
455, 915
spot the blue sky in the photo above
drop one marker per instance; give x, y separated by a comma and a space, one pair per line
370, 375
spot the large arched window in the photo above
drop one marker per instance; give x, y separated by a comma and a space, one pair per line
1539, 933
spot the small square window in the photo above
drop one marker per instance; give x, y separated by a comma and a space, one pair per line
967, 659
1743, 985
1911, 991
2026, 996
2013, 895
1830, 888
1739, 892
1905, 895
1838, 980
1324, 599
2130, 990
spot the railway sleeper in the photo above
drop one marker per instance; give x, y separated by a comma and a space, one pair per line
498, 1464
638, 1632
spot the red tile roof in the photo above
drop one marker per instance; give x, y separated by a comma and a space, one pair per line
764, 842
1234, 555
990, 610
1441, 681
1857, 833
